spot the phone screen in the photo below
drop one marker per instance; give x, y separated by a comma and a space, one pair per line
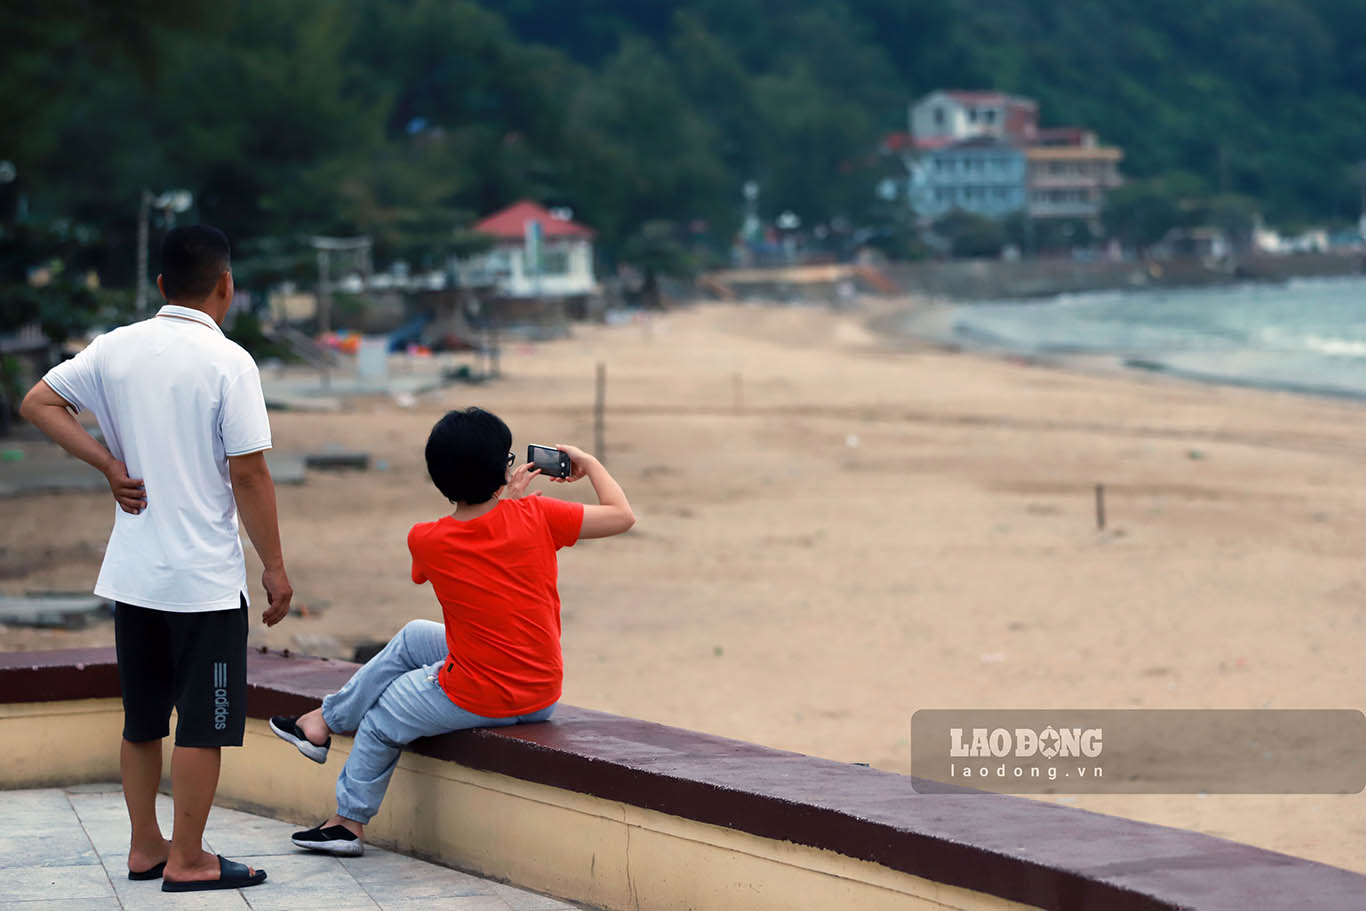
549, 461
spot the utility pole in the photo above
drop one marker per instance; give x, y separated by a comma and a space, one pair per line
1360, 174
143, 212
168, 204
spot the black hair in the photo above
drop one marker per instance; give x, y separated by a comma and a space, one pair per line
467, 455
192, 260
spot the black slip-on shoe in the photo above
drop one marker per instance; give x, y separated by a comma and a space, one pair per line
231, 875
337, 840
150, 873
286, 727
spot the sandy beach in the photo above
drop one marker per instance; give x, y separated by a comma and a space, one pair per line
836, 530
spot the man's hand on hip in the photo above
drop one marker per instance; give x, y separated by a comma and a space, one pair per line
129, 493
279, 593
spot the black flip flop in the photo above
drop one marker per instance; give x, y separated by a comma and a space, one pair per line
149, 873
231, 875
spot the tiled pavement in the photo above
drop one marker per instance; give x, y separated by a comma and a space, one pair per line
65, 850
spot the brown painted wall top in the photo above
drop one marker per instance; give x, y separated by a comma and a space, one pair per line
1028, 851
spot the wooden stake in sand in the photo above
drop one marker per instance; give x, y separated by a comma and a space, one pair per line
737, 385
600, 414
1100, 507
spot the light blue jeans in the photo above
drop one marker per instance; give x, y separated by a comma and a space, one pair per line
390, 702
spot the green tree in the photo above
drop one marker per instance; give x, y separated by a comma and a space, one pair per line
971, 235
1233, 214
1140, 214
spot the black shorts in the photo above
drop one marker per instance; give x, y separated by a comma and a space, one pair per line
196, 662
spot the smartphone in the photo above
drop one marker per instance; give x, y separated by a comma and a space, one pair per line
552, 462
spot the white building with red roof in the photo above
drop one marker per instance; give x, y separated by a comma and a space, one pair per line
948, 116
538, 253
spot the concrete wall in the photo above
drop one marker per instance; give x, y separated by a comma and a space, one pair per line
621, 813
601, 852
996, 279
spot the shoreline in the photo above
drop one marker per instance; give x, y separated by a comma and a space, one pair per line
1031, 279
929, 322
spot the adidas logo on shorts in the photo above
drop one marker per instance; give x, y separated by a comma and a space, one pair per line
220, 695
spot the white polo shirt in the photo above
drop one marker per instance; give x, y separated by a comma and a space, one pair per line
174, 398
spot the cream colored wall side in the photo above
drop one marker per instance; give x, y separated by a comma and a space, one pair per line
587, 849
59, 743
583, 848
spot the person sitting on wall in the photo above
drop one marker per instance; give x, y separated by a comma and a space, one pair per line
496, 661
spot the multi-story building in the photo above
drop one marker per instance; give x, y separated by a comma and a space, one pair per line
983, 152
1069, 174
951, 116
984, 175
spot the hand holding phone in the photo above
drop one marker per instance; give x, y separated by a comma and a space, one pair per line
551, 462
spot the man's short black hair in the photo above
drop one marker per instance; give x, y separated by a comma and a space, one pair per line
467, 455
192, 260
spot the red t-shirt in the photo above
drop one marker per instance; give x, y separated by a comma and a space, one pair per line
495, 578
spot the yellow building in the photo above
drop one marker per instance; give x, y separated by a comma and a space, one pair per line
1069, 173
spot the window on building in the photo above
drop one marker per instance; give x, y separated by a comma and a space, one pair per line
554, 261
972, 115
939, 117
989, 115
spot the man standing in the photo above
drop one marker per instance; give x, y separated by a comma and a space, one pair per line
182, 412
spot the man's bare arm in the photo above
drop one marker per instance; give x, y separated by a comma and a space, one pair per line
49, 412
254, 491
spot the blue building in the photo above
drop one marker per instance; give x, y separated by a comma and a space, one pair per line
983, 175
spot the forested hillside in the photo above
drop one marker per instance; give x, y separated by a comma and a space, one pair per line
406, 118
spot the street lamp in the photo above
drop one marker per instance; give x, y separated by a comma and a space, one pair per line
170, 204
9, 174
750, 228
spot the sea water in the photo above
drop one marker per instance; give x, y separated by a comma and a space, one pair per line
1306, 335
